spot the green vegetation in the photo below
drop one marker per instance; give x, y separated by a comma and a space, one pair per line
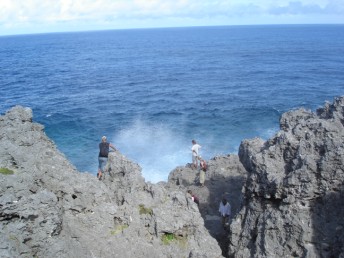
169, 238
118, 229
6, 171
144, 210
12, 237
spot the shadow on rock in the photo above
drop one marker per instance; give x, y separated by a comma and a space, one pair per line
225, 177
328, 237
219, 186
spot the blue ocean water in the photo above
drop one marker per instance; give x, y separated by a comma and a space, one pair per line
152, 91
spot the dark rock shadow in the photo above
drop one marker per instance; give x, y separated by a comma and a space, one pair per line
218, 186
226, 177
328, 225
210, 197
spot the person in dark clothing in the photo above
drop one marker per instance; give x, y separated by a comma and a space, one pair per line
104, 147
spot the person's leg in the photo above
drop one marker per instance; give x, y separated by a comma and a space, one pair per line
99, 168
195, 161
201, 177
102, 164
223, 220
226, 220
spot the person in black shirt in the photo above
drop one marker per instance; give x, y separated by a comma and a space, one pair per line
103, 155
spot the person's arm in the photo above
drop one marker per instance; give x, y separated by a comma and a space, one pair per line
113, 147
228, 211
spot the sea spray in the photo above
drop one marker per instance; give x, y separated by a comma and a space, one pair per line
155, 147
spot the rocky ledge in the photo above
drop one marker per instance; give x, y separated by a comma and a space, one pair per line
49, 209
286, 195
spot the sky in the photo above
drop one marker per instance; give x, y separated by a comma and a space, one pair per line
42, 16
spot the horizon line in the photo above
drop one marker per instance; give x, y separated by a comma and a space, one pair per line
170, 27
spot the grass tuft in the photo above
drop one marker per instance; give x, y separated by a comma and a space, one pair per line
169, 238
6, 171
118, 229
144, 210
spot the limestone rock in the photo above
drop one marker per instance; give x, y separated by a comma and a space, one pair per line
49, 209
225, 177
293, 204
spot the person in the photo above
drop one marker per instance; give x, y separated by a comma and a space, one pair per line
103, 156
203, 169
193, 197
195, 152
225, 211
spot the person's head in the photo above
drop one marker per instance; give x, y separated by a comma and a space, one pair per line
104, 139
224, 200
189, 192
193, 142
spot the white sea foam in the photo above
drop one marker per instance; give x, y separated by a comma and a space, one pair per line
155, 147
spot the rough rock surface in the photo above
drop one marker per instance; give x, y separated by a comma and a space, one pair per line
49, 209
287, 197
294, 194
225, 177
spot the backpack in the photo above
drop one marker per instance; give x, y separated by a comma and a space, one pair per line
204, 166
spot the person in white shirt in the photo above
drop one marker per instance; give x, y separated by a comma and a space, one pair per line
225, 211
195, 153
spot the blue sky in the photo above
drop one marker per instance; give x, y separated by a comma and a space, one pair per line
40, 16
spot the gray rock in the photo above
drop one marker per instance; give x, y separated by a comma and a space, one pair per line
225, 177
286, 195
49, 209
294, 192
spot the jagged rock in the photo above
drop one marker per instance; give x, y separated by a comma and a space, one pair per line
49, 209
286, 194
293, 203
225, 177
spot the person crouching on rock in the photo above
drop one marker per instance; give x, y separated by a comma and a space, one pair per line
103, 156
193, 197
203, 169
225, 211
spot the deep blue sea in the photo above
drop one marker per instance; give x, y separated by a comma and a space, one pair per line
152, 91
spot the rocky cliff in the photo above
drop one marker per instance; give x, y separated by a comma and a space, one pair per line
49, 209
294, 194
286, 194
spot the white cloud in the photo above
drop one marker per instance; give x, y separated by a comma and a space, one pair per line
45, 13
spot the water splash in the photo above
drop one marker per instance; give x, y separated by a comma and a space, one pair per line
155, 147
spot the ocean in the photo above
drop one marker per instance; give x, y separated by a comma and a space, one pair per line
151, 91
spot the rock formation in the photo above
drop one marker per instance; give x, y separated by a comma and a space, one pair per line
49, 209
294, 194
225, 177
286, 193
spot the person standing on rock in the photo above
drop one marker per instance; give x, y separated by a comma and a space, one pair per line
225, 211
195, 153
104, 147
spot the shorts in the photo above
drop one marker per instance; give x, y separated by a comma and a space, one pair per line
102, 163
194, 160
